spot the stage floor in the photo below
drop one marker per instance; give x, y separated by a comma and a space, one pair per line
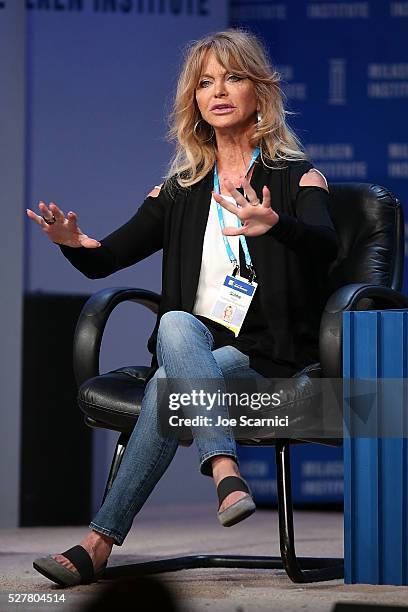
170, 531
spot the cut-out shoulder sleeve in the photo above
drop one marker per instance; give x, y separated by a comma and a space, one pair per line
140, 237
296, 171
155, 191
311, 175
311, 229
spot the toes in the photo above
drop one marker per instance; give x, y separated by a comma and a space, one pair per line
232, 498
65, 562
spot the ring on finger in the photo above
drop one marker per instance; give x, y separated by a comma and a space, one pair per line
49, 221
256, 203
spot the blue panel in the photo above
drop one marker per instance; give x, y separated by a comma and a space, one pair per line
363, 555
392, 516
348, 338
375, 468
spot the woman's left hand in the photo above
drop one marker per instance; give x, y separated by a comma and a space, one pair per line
256, 217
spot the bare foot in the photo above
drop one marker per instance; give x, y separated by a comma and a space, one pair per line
222, 467
97, 545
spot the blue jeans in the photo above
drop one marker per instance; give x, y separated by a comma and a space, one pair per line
184, 351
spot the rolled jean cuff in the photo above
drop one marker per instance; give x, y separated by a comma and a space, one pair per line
119, 539
205, 465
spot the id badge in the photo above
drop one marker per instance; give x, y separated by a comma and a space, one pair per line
233, 302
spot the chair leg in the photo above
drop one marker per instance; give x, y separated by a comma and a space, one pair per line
302, 569
327, 568
116, 461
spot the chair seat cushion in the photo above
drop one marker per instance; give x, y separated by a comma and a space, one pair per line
114, 399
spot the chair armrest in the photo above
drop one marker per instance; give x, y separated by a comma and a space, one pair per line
346, 298
92, 321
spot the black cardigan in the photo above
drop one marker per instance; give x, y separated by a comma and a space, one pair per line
280, 333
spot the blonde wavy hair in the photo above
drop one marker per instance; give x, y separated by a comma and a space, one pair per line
241, 53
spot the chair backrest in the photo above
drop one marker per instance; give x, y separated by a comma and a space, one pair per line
370, 226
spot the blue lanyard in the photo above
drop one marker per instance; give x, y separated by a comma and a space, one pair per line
230, 252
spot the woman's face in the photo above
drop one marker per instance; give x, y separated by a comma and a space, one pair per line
228, 312
226, 101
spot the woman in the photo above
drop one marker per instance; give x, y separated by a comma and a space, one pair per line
228, 313
240, 199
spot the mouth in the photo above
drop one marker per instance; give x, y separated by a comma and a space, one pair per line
222, 108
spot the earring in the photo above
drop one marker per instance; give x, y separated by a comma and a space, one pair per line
197, 135
258, 116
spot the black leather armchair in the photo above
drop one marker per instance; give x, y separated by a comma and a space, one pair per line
367, 274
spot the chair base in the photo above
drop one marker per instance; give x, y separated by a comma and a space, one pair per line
308, 569
299, 569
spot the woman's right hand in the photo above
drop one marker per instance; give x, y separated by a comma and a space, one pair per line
64, 230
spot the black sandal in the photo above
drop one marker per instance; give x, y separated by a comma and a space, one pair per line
241, 509
55, 571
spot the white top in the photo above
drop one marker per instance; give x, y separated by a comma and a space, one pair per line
215, 263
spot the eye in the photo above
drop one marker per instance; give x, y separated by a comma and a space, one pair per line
204, 83
234, 78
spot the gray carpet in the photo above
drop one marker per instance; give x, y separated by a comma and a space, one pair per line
178, 530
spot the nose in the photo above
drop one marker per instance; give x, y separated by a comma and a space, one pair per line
220, 89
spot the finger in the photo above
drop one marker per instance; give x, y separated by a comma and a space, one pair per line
225, 204
233, 231
57, 212
238, 197
249, 190
266, 197
45, 212
37, 218
72, 220
90, 243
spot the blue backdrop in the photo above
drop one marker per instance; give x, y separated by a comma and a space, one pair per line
345, 71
